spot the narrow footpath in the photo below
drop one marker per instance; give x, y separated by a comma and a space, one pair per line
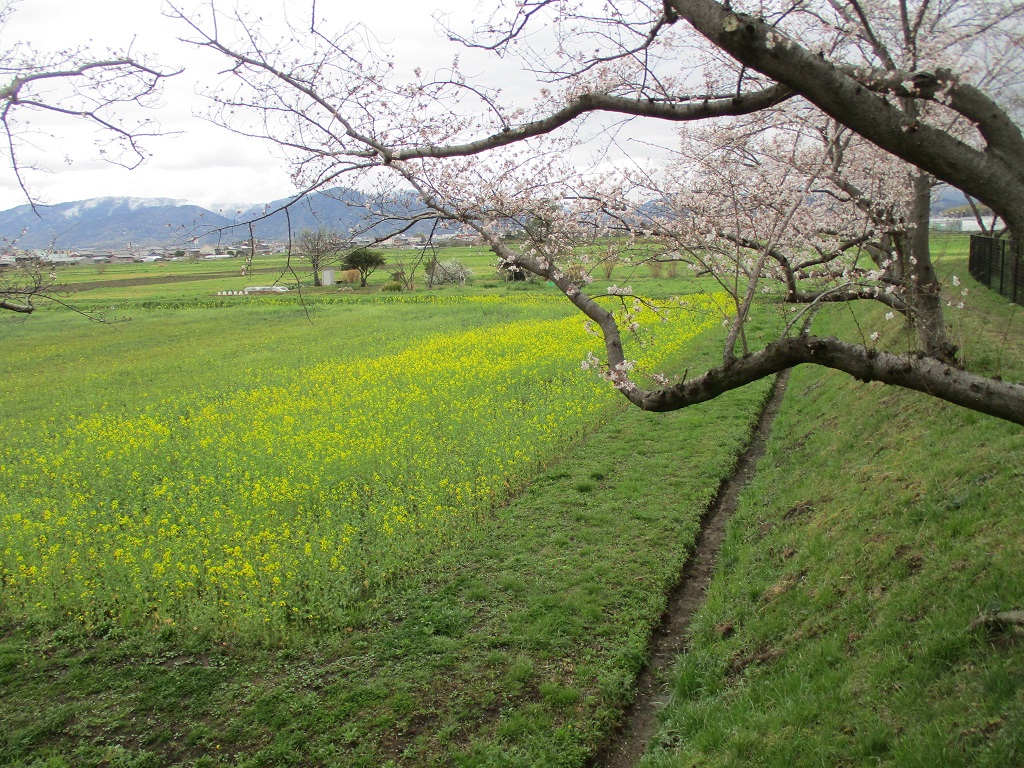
640, 723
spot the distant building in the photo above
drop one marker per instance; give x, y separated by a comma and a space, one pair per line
955, 224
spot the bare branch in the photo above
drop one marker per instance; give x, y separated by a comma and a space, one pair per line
690, 109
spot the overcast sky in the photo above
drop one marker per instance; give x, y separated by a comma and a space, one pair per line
199, 163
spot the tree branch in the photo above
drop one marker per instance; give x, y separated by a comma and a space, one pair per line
1002, 399
995, 176
26, 309
696, 109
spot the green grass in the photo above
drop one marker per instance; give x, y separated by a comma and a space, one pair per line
515, 645
836, 631
160, 351
96, 288
276, 497
879, 525
116, 288
517, 648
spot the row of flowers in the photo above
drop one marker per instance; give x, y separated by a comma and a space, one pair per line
280, 505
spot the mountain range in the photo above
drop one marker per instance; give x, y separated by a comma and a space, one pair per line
118, 223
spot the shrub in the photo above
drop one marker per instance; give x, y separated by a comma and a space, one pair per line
393, 286
512, 275
577, 273
365, 261
451, 271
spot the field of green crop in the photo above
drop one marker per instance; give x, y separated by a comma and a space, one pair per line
108, 288
276, 496
419, 504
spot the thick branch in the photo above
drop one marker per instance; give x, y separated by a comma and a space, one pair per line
996, 127
26, 309
995, 176
869, 293
697, 109
1002, 399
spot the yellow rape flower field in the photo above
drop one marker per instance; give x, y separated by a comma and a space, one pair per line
280, 497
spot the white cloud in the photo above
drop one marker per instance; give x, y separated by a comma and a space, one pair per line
201, 162
195, 160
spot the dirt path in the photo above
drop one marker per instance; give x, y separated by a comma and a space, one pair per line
126, 282
670, 639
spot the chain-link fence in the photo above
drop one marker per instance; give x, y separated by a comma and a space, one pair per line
997, 263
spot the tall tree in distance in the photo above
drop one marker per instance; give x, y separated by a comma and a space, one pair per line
321, 247
366, 261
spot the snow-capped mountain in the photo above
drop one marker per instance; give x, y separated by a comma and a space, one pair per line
107, 222
116, 222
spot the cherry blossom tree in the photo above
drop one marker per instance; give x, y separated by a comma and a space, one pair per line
806, 101
837, 218
72, 84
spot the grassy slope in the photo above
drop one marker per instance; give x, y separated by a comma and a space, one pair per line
880, 524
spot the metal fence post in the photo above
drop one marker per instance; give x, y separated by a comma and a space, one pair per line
1015, 261
1002, 263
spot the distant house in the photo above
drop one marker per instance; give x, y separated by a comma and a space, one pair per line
62, 260
955, 224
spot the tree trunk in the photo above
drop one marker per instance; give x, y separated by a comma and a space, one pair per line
924, 294
994, 175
